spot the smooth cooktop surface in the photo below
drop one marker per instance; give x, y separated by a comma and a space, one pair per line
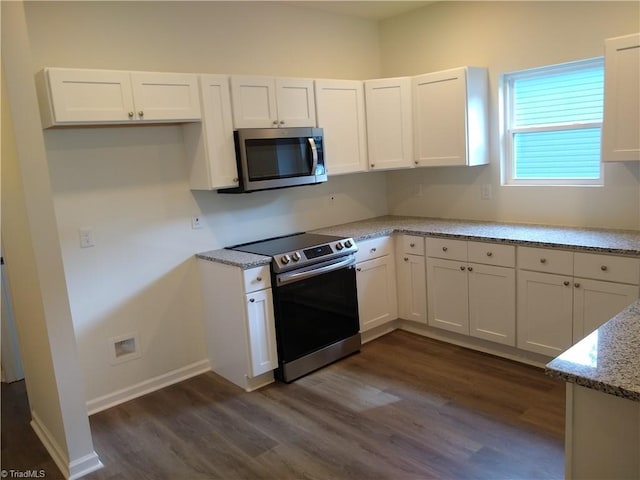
288, 243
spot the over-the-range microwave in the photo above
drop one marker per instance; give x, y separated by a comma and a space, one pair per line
271, 158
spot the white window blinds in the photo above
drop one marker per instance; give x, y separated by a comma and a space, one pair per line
553, 123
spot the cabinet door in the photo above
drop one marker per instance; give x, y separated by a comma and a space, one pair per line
254, 102
448, 295
165, 96
209, 144
295, 102
412, 288
376, 281
88, 96
440, 118
389, 123
341, 113
595, 302
544, 312
621, 121
492, 303
261, 330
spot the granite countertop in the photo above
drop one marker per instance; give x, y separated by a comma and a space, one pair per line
618, 242
608, 359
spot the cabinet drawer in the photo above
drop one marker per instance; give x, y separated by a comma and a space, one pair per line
412, 244
545, 260
607, 267
373, 248
492, 254
446, 248
257, 278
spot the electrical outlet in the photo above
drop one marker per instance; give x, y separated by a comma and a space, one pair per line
485, 191
86, 237
196, 222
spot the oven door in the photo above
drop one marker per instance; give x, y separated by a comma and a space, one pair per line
315, 307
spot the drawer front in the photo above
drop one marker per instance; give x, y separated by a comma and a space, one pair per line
545, 260
373, 248
446, 248
492, 254
412, 244
257, 278
607, 267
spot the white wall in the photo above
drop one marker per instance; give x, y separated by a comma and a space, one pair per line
505, 37
129, 184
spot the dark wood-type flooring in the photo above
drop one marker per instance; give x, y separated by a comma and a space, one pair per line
406, 407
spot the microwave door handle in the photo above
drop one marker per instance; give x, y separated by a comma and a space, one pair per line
314, 154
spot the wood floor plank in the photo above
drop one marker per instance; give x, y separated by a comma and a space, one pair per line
405, 408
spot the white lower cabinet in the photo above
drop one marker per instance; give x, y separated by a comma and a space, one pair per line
376, 282
564, 296
545, 321
239, 323
469, 297
412, 278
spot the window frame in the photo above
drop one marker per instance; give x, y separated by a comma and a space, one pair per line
507, 130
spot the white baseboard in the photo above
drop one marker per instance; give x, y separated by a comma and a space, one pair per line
70, 470
120, 396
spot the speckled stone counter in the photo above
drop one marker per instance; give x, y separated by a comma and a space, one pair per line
608, 360
237, 259
618, 242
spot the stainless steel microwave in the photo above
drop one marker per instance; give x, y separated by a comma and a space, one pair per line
271, 158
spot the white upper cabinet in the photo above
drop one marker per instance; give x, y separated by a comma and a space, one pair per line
341, 113
621, 122
209, 144
450, 117
85, 97
268, 102
389, 123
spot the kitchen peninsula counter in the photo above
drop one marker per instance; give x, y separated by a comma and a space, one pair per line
616, 242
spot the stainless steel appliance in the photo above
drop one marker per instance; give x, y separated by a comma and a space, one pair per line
271, 158
315, 300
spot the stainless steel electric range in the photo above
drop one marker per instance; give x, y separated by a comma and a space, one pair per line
315, 300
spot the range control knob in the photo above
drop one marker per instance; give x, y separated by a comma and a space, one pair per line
285, 259
348, 244
339, 246
295, 256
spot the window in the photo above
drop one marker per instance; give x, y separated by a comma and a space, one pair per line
552, 121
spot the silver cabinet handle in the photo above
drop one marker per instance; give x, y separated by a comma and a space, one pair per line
275, 122
577, 285
566, 283
141, 113
462, 267
373, 249
604, 268
406, 259
235, 180
131, 114
489, 254
444, 249
543, 260
281, 122
412, 245
259, 279
470, 269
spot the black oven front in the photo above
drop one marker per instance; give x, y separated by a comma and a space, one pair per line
316, 316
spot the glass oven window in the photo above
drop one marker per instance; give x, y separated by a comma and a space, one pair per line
277, 158
316, 312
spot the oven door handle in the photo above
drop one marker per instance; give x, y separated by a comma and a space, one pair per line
290, 277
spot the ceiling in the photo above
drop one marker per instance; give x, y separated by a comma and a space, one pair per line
373, 10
